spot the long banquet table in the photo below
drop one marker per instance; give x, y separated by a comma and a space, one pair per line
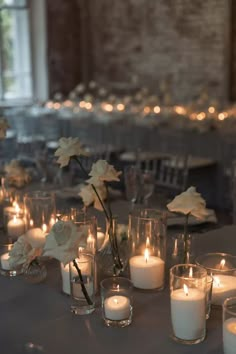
40, 314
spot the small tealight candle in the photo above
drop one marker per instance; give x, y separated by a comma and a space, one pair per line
5, 261
229, 336
117, 308
147, 272
15, 227
188, 312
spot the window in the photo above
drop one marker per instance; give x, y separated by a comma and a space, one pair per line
22, 32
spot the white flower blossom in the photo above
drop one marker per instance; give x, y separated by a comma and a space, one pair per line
89, 196
68, 147
63, 241
16, 174
101, 171
23, 253
189, 202
3, 127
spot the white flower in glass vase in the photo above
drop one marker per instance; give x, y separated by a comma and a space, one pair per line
3, 127
188, 203
69, 147
100, 174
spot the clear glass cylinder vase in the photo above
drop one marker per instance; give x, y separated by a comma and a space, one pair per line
147, 231
114, 254
82, 281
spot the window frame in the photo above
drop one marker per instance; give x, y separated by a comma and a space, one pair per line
38, 54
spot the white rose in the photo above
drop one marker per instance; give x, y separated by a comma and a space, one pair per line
92, 85
189, 202
16, 174
89, 196
68, 147
80, 88
3, 127
102, 171
63, 241
23, 253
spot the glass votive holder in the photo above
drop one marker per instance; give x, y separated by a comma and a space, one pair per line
40, 210
222, 267
117, 301
209, 295
188, 284
82, 282
5, 268
229, 325
148, 250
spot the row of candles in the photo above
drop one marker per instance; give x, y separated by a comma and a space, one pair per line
210, 112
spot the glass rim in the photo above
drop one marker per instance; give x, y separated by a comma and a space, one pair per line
39, 195
225, 303
87, 220
189, 265
112, 280
211, 254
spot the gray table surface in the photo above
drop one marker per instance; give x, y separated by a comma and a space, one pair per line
40, 313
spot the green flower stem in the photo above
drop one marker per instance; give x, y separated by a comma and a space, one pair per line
83, 288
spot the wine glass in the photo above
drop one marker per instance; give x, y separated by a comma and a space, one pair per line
133, 181
148, 185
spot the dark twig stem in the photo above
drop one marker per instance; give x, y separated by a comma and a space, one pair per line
84, 290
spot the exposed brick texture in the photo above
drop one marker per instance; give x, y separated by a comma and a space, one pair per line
185, 42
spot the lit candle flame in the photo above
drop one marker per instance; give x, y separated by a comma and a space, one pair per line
146, 255
115, 301
31, 222
185, 289
222, 263
190, 272
216, 282
14, 219
147, 242
44, 228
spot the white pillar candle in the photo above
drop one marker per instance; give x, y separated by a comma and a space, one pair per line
223, 286
36, 236
5, 261
147, 272
188, 313
117, 308
229, 336
65, 276
15, 227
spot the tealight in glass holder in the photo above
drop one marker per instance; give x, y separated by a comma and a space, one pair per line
229, 325
222, 267
117, 301
5, 268
148, 245
82, 282
188, 286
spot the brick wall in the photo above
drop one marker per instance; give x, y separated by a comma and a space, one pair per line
184, 42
